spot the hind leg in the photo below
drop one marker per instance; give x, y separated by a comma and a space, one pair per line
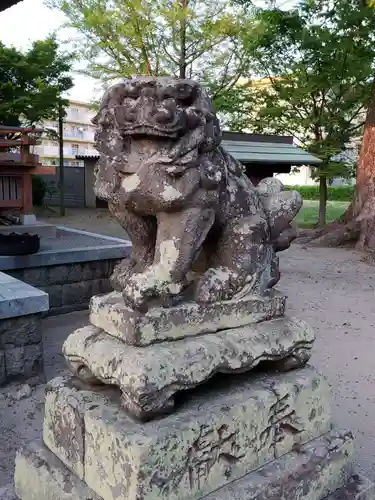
243, 263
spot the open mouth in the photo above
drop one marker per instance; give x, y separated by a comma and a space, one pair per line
153, 130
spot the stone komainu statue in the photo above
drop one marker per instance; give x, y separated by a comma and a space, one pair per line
198, 226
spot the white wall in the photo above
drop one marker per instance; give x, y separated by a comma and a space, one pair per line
300, 178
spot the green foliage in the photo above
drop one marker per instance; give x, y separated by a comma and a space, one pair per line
308, 215
42, 189
39, 190
317, 64
31, 82
186, 38
342, 193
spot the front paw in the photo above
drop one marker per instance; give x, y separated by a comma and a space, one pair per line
121, 274
154, 284
216, 285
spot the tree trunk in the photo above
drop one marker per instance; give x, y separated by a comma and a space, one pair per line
357, 224
323, 196
182, 61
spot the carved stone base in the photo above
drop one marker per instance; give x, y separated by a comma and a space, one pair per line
39, 475
318, 467
149, 377
217, 435
312, 472
110, 313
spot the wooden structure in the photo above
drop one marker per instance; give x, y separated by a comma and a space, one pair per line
262, 156
266, 155
17, 165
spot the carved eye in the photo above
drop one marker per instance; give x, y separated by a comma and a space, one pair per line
131, 91
184, 92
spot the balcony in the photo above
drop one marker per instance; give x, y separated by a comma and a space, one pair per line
84, 136
80, 117
53, 151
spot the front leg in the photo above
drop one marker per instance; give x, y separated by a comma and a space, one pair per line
142, 233
179, 239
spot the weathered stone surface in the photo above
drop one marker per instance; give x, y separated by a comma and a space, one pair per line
109, 313
19, 299
357, 488
3, 374
312, 472
39, 475
52, 481
180, 196
20, 331
76, 293
216, 436
55, 295
23, 392
81, 292
7, 493
150, 376
24, 362
63, 427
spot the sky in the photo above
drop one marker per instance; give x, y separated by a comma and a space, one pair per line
31, 20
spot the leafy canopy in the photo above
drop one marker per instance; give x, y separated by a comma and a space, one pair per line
31, 83
317, 64
185, 38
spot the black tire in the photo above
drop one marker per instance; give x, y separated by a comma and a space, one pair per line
19, 244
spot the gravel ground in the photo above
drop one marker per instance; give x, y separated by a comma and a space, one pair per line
331, 289
91, 220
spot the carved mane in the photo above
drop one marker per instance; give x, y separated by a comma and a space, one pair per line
183, 152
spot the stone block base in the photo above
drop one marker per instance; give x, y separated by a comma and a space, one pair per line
21, 349
39, 475
110, 313
149, 377
357, 488
315, 471
218, 434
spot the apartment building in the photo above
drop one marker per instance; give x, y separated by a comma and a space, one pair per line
78, 136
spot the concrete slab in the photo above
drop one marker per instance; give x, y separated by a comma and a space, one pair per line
19, 299
69, 246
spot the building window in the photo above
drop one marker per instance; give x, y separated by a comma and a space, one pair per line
75, 148
74, 112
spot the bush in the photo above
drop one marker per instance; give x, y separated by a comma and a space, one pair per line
39, 190
342, 193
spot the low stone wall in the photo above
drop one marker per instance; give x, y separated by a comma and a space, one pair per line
21, 347
71, 268
70, 286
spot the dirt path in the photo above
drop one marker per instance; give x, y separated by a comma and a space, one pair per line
92, 220
331, 289
334, 292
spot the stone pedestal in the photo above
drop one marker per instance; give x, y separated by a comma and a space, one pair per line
226, 432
